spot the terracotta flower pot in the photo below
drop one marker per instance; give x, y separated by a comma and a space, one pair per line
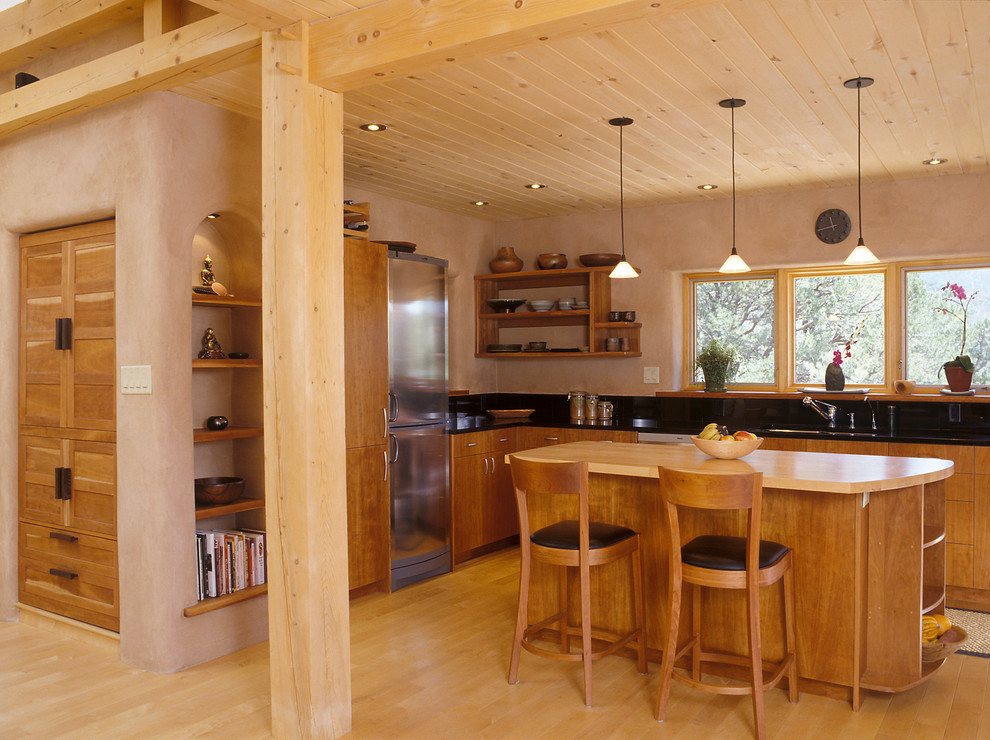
958, 379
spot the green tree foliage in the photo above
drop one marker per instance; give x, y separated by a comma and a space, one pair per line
740, 314
831, 311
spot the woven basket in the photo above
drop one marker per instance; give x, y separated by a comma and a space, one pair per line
933, 651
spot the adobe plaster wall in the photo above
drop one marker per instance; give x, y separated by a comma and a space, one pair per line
924, 218
159, 163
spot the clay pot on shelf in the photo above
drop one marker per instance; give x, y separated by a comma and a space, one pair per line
552, 261
505, 261
958, 379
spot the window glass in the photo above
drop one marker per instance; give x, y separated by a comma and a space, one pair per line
841, 314
739, 313
947, 313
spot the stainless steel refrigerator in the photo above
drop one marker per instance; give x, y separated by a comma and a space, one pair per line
419, 477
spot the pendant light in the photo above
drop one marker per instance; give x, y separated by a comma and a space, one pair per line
623, 269
734, 263
861, 255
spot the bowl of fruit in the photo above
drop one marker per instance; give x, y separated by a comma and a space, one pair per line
715, 440
939, 637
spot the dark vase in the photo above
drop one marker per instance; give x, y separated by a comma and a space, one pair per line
834, 379
506, 261
959, 380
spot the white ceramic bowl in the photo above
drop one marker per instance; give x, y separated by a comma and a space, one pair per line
537, 304
726, 450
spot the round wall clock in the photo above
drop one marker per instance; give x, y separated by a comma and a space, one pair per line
833, 225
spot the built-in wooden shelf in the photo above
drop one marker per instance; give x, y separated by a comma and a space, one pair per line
531, 355
219, 602
932, 536
224, 364
205, 299
916, 397
244, 504
209, 435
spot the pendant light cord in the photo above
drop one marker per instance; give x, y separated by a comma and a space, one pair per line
859, 159
732, 118
622, 204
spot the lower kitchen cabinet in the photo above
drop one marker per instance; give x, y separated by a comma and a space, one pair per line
368, 534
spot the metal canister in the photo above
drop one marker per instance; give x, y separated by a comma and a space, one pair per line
576, 399
605, 410
591, 406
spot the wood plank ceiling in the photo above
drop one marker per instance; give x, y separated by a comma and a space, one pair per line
482, 130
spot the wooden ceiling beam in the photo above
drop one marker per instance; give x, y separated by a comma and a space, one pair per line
268, 15
200, 49
31, 30
400, 37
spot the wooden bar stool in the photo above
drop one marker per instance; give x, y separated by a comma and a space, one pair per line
718, 561
577, 544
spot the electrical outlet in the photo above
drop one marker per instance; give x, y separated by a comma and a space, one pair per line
651, 375
955, 413
135, 379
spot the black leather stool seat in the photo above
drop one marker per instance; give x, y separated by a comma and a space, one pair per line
727, 553
565, 536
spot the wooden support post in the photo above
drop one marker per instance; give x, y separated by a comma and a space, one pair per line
160, 16
302, 151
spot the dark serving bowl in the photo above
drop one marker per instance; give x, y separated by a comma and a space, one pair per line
505, 305
601, 259
218, 490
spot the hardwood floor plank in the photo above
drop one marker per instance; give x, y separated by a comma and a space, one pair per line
430, 661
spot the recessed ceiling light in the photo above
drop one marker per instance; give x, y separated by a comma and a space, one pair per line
479, 202
708, 186
373, 127
214, 215
934, 160
535, 185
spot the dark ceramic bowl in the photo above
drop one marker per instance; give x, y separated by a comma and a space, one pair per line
218, 490
601, 259
505, 305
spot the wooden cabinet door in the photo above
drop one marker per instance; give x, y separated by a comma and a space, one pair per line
365, 342
38, 459
91, 372
503, 512
367, 515
42, 367
469, 483
93, 503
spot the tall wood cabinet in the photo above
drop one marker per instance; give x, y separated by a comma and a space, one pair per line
67, 471
366, 403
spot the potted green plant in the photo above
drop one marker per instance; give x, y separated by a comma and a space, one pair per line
718, 362
958, 372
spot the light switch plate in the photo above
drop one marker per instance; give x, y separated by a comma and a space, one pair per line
135, 379
651, 375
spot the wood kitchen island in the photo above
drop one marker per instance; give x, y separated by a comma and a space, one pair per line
868, 535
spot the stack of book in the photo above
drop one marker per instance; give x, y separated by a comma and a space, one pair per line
229, 560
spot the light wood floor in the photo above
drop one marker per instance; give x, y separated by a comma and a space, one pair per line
429, 662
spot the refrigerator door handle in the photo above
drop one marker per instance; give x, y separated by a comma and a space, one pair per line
393, 448
393, 407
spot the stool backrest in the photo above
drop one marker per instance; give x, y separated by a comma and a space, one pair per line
691, 489
542, 478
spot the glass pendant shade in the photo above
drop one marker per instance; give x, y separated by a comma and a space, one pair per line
734, 263
623, 269
861, 255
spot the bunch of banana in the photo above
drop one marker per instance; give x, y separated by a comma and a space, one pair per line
712, 431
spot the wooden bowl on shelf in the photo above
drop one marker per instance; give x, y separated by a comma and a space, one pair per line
218, 490
601, 259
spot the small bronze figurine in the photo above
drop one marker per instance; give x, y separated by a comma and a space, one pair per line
206, 274
211, 347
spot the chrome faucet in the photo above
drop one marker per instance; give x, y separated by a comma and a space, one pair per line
828, 414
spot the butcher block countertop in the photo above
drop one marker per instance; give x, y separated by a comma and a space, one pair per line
805, 471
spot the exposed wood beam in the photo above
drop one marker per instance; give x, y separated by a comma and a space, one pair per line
200, 49
399, 37
160, 16
271, 14
302, 149
30, 30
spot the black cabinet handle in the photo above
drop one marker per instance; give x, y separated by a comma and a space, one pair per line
63, 333
62, 573
63, 484
62, 536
